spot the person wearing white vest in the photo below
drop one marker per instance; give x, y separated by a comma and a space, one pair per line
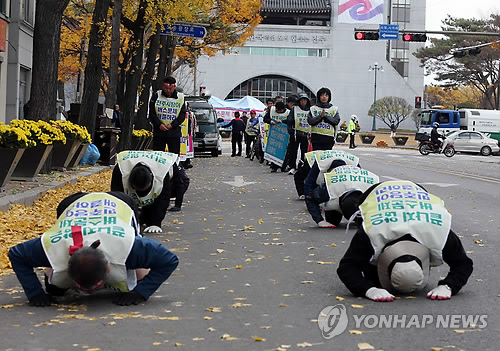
405, 231
299, 130
94, 244
277, 114
147, 177
167, 111
323, 119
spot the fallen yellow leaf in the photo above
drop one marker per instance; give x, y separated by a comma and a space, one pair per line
256, 338
357, 306
261, 221
228, 337
339, 298
365, 346
239, 267
355, 332
156, 343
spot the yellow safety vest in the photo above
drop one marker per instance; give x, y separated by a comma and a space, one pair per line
168, 109
300, 118
396, 208
323, 128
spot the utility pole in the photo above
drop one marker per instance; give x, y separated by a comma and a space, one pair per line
375, 68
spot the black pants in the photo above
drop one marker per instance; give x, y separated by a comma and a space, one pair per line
351, 140
302, 143
300, 176
323, 145
250, 139
236, 140
319, 196
173, 143
180, 183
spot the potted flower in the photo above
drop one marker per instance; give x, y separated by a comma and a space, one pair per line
44, 135
366, 138
13, 142
343, 126
76, 135
341, 137
400, 140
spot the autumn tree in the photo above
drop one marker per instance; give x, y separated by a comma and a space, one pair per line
391, 110
480, 71
453, 98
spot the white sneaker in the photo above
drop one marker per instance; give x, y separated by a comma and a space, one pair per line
292, 171
302, 197
325, 224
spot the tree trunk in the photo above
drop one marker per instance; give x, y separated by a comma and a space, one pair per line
170, 56
133, 79
46, 38
114, 55
93, 68
141, 121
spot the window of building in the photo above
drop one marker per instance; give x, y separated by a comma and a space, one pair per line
269, 86
27, 11
3, 7
259, 51
400, 51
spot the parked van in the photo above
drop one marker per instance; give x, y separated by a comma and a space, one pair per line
206, 138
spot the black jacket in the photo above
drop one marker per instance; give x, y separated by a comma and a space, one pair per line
176, 123
238, 126
334, 121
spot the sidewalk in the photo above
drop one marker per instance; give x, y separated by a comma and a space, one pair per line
26, 193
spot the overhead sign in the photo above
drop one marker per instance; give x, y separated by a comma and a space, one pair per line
388, 31
181, 30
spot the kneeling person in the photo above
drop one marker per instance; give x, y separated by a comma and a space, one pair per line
146, 177
94, 244
405, 231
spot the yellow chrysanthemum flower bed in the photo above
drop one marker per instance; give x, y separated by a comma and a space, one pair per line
14, 137
141, 133
22, 223
73, 131
41, 132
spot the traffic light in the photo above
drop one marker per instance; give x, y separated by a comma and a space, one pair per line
418, 102
414, 37
366, 35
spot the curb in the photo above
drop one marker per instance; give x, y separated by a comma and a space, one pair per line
27, 198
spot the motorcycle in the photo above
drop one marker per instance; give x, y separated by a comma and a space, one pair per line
426, 147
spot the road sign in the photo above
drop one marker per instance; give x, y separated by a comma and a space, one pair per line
389, 31
181, 30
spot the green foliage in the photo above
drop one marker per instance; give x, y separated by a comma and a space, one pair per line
391, 110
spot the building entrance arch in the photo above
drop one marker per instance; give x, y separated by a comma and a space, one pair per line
268, 86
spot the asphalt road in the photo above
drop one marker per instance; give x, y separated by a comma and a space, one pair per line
253, 266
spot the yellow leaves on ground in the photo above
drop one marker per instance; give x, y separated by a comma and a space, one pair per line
22, 223
261, 221
355, 332
339, 298
365, 346
357, 306
256, 338
214, 309
228, 337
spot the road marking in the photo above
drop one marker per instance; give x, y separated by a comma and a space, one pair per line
442, 185
238, 182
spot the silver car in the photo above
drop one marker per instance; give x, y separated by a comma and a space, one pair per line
472, 141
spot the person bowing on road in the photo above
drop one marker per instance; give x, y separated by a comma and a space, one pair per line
94, 244
405, 231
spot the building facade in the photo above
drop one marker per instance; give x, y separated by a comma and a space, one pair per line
301, 47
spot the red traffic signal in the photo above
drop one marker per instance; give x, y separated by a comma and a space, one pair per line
366, 35
414, 37
418, 102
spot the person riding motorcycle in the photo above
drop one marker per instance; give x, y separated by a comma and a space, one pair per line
435, 136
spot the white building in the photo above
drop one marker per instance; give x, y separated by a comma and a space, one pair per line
301, 47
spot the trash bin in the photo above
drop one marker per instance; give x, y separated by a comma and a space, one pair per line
105, 140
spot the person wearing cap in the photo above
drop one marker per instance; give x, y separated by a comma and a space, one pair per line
351, 129
167, 111
251, 131
94, 244
323, 119
237, 129
300, 129
315, 192
405, 231
150, 178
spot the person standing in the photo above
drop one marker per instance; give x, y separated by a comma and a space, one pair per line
117, 116
237, 128
393, 130
323, 118
251, 131
167, 111
300, 129
277, 114
351, 129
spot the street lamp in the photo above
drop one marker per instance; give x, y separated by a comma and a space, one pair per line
375, 68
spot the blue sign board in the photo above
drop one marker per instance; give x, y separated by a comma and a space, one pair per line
277, 143
388, 31
181, 30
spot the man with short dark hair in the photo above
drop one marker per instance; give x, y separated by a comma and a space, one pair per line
167, 111
94, 244
237, 128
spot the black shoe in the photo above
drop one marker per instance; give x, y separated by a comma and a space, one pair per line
238, 154
188, 166
174, 209
232, 155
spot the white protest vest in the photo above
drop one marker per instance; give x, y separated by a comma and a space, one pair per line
396, 208
102, 217
311, 157
326, 157
323, 128
159, 162
278, 117
168, 109
300, 117
346, 178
